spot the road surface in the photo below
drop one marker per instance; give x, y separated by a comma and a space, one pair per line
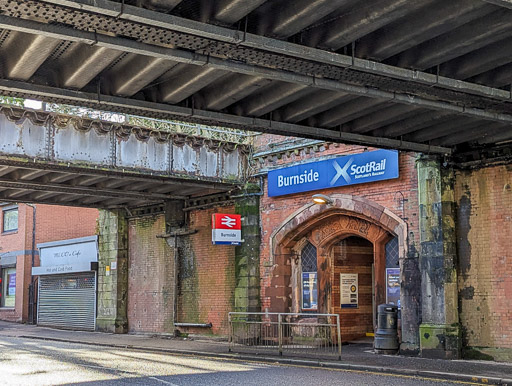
37, 362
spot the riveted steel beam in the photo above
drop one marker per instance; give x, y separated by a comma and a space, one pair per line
119, 104
420, 26
182, 56
262, 43
501, 3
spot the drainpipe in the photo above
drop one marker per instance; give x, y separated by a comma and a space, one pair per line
33, 235
33, 253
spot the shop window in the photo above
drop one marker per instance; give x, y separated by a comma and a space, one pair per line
10, 219
8, 286
308, 261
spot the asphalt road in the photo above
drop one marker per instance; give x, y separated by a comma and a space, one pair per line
36, 362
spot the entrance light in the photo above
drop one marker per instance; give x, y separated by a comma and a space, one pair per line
321, 199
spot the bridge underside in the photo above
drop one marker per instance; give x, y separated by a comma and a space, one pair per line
65, 160
65, 186
427, 75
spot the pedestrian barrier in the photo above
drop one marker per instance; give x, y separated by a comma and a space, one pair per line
298, 334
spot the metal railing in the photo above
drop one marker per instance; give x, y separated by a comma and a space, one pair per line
299, 334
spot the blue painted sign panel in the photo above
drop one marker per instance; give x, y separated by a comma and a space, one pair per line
341, 171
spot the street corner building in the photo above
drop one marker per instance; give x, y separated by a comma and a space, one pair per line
24, 228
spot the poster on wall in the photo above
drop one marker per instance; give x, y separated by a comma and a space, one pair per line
11, 284
393, 286
349, 290
309, 291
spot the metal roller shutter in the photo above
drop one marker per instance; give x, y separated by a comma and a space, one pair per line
68, 301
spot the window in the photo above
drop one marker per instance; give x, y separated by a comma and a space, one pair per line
10, 220
392, 273
8, 287
308, 263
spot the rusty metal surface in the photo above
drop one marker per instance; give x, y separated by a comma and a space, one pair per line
54, 158
228, 63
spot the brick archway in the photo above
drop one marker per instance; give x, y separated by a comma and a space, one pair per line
325, 224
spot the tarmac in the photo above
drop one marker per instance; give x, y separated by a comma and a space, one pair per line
358, 356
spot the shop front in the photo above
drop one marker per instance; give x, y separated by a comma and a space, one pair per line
67, 283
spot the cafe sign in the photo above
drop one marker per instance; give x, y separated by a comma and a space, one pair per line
67, 256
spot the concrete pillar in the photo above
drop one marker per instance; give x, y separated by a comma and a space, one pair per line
112, 272
247, 256
440, 329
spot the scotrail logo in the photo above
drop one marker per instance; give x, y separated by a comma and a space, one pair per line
369, 169
342, 171
228, 221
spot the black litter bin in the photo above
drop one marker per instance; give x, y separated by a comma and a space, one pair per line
386, 337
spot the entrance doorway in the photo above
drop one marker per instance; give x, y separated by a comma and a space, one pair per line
319, 246
353, 283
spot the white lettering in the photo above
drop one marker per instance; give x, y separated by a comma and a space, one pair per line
298, 179
368, 169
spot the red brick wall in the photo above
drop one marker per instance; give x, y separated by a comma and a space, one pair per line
150, 277
484, 209
398, 195
63, 222
206, 282
207, 291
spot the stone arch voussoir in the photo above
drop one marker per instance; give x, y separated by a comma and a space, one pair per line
368, 216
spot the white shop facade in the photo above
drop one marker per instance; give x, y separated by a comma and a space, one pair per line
67, 283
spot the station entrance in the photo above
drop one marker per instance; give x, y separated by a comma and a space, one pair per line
342, 263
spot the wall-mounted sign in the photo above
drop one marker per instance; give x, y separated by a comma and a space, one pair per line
63, 268
349, 290
69, 251
67, 256
348, 170
226, 229
393, 286
309, 291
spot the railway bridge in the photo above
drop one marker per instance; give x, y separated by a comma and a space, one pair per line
430, 78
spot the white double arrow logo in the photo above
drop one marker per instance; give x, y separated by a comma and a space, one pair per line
228, 221
341, 171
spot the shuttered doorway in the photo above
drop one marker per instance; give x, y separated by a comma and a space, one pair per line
68, 301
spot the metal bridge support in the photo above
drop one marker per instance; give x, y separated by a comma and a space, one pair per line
440, 328
112, 272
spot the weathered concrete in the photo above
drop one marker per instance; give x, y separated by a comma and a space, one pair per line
112, 283
440, 330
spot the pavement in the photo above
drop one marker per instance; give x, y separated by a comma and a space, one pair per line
357, 356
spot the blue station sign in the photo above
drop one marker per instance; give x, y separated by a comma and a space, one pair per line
341, 171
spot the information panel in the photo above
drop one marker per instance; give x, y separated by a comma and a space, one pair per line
309, 291
341, 171
11, 286
349, 290
393, 286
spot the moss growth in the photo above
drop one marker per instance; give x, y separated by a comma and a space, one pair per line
472, 353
